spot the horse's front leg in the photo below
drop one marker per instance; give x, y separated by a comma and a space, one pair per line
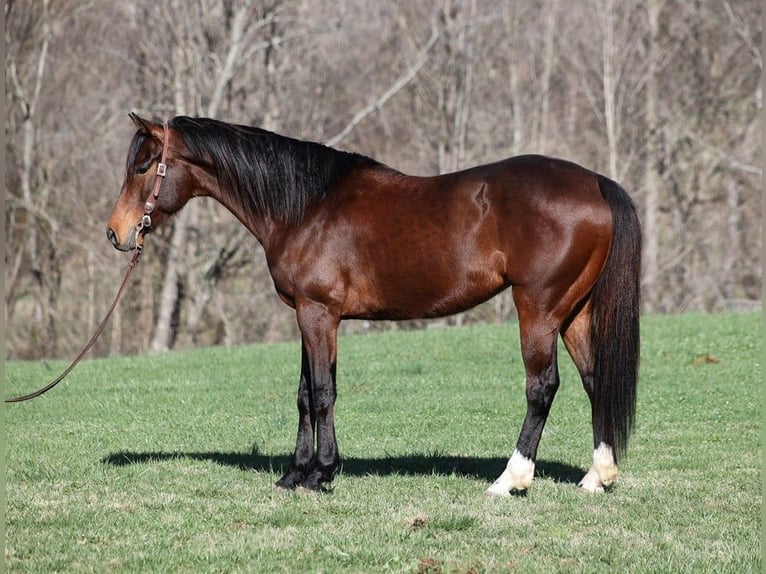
304, 445
319, 328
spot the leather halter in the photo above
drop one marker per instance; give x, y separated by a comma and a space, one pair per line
143, 227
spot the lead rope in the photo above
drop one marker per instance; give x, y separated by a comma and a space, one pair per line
86, 348
143, 227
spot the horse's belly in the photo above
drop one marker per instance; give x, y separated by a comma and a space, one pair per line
426, 289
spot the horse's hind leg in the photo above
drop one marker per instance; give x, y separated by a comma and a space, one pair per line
576, 337
539, 335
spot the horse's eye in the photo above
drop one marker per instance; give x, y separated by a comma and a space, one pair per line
142, 169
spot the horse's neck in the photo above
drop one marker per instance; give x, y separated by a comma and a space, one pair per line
261, 227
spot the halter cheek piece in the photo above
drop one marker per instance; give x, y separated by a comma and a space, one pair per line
144, 225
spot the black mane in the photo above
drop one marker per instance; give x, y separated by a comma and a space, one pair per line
273, 175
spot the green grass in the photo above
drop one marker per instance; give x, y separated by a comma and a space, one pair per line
165, 463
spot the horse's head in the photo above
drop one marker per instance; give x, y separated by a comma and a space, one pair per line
144, 158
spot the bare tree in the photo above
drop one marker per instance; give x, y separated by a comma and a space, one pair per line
31, 227
653, 151
193, 52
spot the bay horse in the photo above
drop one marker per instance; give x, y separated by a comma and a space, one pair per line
347, 237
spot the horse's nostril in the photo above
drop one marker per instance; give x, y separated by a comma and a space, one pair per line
112, 236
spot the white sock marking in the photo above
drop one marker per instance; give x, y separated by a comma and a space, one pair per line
518, 475
603, 472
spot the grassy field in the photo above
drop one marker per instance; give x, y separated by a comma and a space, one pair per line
165, 463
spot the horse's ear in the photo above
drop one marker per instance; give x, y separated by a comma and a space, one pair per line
147, 127
141, 123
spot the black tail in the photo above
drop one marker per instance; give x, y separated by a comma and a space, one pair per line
615, 325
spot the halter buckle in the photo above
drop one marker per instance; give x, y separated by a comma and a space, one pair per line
161, 169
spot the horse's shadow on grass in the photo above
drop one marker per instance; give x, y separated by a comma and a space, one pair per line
484, 468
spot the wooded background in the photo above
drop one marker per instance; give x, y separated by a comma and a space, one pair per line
664, 96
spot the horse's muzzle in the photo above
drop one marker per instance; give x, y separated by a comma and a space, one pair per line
130, 245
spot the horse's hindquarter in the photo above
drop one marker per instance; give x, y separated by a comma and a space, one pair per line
552, 212
556, 229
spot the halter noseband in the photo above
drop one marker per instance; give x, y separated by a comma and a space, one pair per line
144, 225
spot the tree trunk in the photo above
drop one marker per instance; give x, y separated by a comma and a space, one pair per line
732, 242
165, 331
545, 88
609, 85
513, 31
651, 168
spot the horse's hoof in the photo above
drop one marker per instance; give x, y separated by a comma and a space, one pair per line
285, 484
591, 483
494, 492
305, 491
